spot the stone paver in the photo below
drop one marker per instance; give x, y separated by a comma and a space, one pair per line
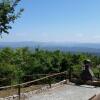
67, 92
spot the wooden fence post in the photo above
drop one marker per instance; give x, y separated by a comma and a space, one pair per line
19, 91
66, 77
70, 73
49, 82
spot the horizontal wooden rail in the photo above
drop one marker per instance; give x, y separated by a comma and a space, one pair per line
23, 84
42, 78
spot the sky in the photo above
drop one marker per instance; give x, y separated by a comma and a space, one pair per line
57, 21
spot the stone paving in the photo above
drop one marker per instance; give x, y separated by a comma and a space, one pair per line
67, 92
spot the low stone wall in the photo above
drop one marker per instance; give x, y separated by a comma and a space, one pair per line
25, 96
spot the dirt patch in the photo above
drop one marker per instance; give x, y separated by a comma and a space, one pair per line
14, 91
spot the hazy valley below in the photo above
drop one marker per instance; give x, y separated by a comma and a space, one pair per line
65, 47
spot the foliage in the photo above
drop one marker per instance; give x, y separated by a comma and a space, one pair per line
16, 65
8, 14
77, 70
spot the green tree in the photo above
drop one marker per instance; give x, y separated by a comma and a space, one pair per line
6, 55
65, 64
7, 74
8, 14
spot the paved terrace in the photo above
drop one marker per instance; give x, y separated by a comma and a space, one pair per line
67, 92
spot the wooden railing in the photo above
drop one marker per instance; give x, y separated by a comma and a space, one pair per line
47, 76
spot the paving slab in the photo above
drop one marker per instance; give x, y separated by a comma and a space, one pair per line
67, 92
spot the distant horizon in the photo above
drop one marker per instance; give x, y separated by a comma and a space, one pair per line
69, 42
65, 47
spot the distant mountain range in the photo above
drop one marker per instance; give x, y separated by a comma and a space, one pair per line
69, 47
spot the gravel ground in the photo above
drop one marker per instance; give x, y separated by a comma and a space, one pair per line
67, 92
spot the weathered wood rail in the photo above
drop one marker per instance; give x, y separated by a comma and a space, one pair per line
19, 86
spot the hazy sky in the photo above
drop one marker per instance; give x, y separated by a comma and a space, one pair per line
57, 21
